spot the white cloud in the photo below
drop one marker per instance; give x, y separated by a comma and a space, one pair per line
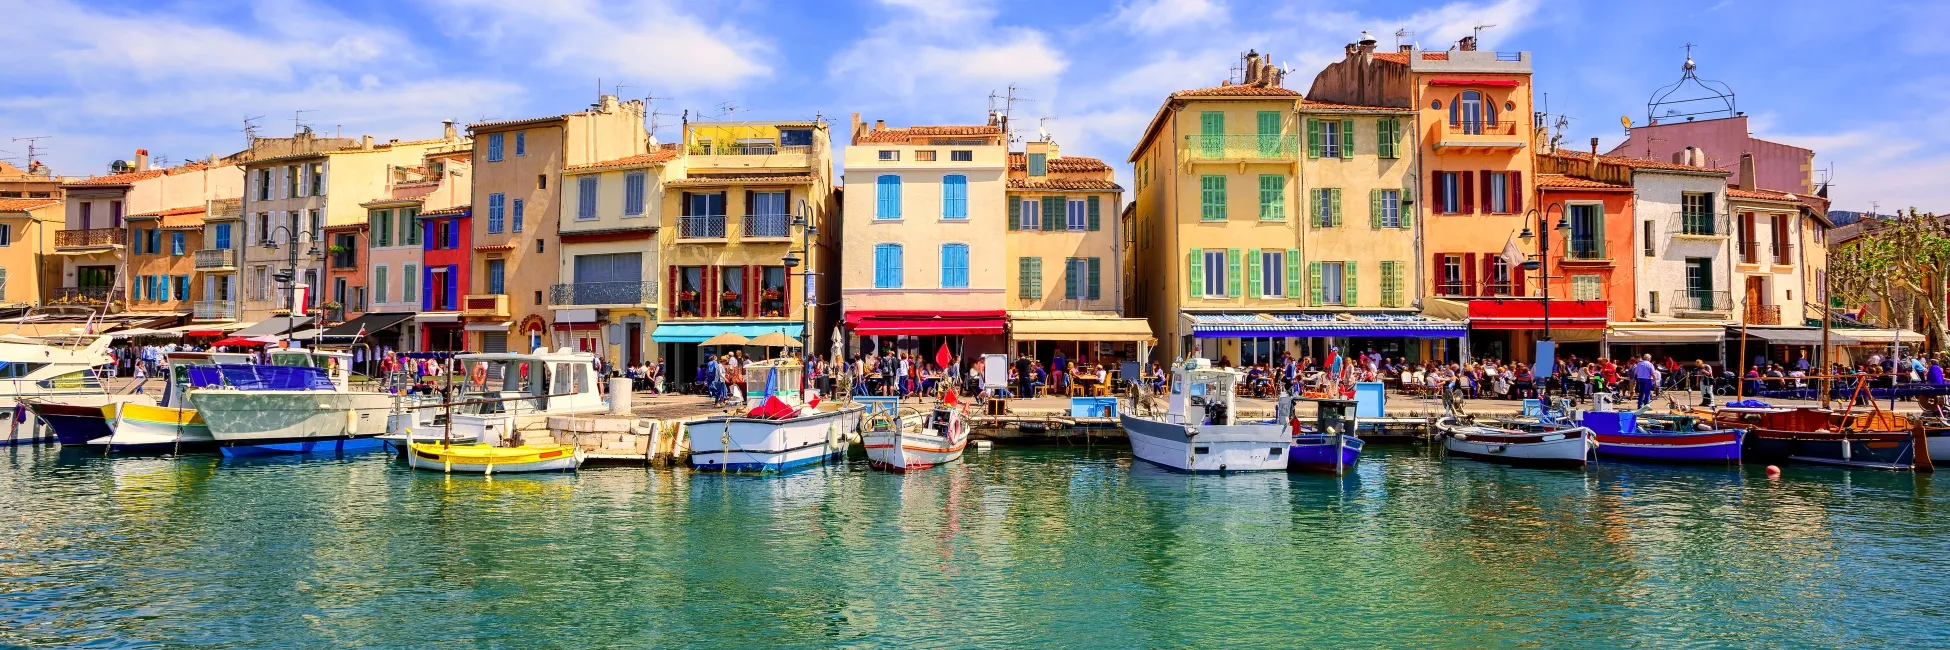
943, 54
90, 44
650, 43
1157, 16
1897, 164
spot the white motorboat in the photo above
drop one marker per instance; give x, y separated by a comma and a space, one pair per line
48, 373
1539, 443
174, 423
505, 395
919, 441
801, 434
301, 402
1200, 431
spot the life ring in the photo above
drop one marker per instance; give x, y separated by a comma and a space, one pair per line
479, 374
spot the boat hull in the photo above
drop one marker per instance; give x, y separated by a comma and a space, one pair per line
72, 424
903, 450
482, 459
1863, 450
292, 421
137, 426
1721, 446
1568, 448
736, 444
1317, 453
1208, 449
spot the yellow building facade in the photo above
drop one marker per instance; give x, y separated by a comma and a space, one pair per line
1063, 257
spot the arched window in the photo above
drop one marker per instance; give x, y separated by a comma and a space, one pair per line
1468, 112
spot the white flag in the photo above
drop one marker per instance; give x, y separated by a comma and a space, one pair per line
1511, 253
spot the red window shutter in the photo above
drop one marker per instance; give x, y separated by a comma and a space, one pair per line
1489, 205
1490, 286
1468, 192
1441, 267
1516, 192
751, 287
1520, 278
671, 290
707, 295
1436, 195
1469, 273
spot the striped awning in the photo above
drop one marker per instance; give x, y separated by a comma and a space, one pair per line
1225, 326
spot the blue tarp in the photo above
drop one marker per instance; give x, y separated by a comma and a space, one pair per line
257, 377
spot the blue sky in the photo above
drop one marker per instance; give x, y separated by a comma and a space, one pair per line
1861, 83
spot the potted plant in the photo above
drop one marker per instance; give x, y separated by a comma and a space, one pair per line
338, 249
332, 305
687, 294
729, 296
772, 294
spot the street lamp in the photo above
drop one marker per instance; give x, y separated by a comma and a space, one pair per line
803, 221
1542, 258
289, 276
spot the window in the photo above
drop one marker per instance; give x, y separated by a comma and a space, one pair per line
1388, 132
1391, 283
381, 289
1075, 215
1699, 285
1449, 193
291, 181
925, 155
1647, 238
1212, 197
1326, 210
497, 215
1744, 237
633, 195
541, 181
223, 236
539, 242
497, 280
1269, 135
407, 283
1587, 232
954, 266
517, 215
1031, 214
585, 197
1331, 289
318, 179
731, 291
1388, 208
6, 234
887, 195
887, 266
1470, 113
1038, 164
535, 339
1499, 192
409, 226
1452, 276
890, 154
1780, 244
1587, 287
1211, 134
1215, 273
1272, 197
177, 242
263, 186
954, 196
382, 228
521, 143
1652, 301
1499, 280
961, 155
1076, 271
1029, 278
1330, 138
494, 147
1272, 272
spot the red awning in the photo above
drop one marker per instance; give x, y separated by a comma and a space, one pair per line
1488, 83
924, 323
238, 342
203, 332
1515, 314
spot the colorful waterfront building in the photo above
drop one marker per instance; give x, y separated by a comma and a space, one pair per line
376, 264
605, 296
217, 302
105, 242
1587, 212
25, 241
743, 199
161, 259
1062, 257
447, 263
517, 169
924, 227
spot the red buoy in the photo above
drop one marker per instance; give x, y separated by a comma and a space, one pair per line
1773, 471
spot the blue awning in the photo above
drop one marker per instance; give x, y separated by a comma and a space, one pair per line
1230, 326
700, 332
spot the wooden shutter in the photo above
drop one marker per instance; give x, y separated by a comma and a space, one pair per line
1253, 288
1334, 205
1349, 284
1441, 267
1385, 135
1232, 273
1096, 287
1022, 278
1469, 274
1316, 293
1435, 190
1488, 181
1404, 205
1516, 192
1520, 282
1053, 213
1347, 138
1313, 138
1092, 207
1467, 184
1197, 272
1292, 273
1598, 223
1015, 213
1072, 285
1374, 208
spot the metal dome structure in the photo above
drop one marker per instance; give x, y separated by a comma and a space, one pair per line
1681, 101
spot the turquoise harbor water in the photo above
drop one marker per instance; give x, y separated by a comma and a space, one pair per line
1063, 547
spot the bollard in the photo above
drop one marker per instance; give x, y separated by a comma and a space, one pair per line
619, 396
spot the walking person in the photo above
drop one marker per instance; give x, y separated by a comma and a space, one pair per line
1644, 373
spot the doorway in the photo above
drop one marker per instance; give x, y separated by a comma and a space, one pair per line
633, 344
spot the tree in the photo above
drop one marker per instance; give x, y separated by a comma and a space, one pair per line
1903, 263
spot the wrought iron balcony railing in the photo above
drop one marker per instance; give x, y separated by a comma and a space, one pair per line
767, 225
1699, 224
605, 293
1702, 300
90, 237
700, 226
216, 258
82, 295
1483, 127
1237, 147
1763, 314
215, 310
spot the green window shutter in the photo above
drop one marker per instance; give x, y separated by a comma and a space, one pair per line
1387, 283
1091, 206
1313, 282
1313, 138
1053, 213
1252, 273
1374, 208
1272, 197
1015, 213
1347, 138
1036, 278
1197, 267
1349, 284
1269, 122
1212, 123
1334, 205
1212, 198
1599, 212
1313, 207
1070, 279
1408, 213
1232, 273
1096, 277
1022, 278
1384, 146
1292, 273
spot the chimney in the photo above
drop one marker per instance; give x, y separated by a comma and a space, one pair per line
365, 142
447, 131
1274, 76
1252, 68
607, 103
878, 125
142, 160
1367, 42
1405, 48
1747, 181
1594, 151
1467, 44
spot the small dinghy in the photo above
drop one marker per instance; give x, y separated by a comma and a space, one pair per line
1539, 443
918, 441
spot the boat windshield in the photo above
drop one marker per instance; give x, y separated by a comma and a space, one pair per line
506, 378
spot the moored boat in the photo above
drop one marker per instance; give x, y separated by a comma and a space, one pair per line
505, 396
78, 419
917, 442
49, 373
489, 459
1662, 438
783, 433
1517, 443
172, 424
300, 403
1199, 430
1807, 434
1330, 445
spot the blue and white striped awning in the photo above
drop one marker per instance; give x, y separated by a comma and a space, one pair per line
1226, 326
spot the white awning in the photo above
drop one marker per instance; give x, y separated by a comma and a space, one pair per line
1878, 336
1650, 333
490, 327
437, 317
582, 315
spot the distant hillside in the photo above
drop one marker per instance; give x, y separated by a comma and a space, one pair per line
1846, 217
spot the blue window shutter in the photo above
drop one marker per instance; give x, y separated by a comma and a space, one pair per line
888, 193
899, 275
453, 285
426, 289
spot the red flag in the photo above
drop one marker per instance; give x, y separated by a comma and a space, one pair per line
948, 398
942, 357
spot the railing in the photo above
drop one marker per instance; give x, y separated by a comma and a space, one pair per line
1583, 251
700, 226
1232, 147
1763, 314
346, 260
488, 305
767, 225
1484, 289
1483, 127
1749, 251
749, 149
215, 310
604, 293
216, 258
90, 237
1698, 223
1703, 300
81, 295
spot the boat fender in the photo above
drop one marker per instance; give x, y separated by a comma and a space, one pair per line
351, 422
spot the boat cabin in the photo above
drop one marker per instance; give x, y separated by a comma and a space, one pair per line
562, 381
336, 365
1201, 394
758, 374
175, 393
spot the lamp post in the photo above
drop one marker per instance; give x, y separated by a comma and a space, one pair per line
803, 221
289, 276
1544, 252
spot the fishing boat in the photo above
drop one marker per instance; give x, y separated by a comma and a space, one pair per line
51, 374
1544, 442
784, 432
919, 441
1674, 438
173, 424
299, 403
506, 397
1330, 445
1200, 431
1869, 440
77, 420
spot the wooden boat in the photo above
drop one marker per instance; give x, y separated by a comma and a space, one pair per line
916, 442
791, 434
507, 394
1807, 434
489, 459
1199, 431
1518, 443
1330, 445
1676, 438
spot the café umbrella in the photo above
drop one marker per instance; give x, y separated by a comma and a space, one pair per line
774, 340
727, 338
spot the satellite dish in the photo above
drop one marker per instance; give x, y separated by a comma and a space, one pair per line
1625, 120
119, 167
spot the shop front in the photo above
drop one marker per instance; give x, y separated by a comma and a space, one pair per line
1261, 338
1764, 346
966, 334
441, 331
1684, 342
616, 335
680, 344
1095, 337
1507, 329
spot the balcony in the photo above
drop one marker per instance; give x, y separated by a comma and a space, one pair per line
215, 310
81, 295
1700, 224
1479, 135
216, 259
493, 305
347, 260
1584, 251
700, 226
604, 293
749, 155
90, 238
1242, 147
767, 226
1703, 304
1763, 314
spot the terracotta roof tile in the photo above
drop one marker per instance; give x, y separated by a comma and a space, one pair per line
120, 179
448, 212
171, 212
1763, 195
1637, 163
660, 156
1402, 57
23, 205
1562, 182
1064, 184
743, 179
1018, 161
521, 120
1311, 105
1238, 90
893, 135
489, 248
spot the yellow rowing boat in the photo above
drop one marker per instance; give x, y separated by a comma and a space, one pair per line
488, 459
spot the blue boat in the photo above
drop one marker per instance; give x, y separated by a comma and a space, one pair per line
1662, 438
350, 445
1330, 445
73, 425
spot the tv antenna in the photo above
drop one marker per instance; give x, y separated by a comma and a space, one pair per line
1401, 34
1477, 33
726, 109
298, 119
250, 129
1008, 101
34, 150
1042, 128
